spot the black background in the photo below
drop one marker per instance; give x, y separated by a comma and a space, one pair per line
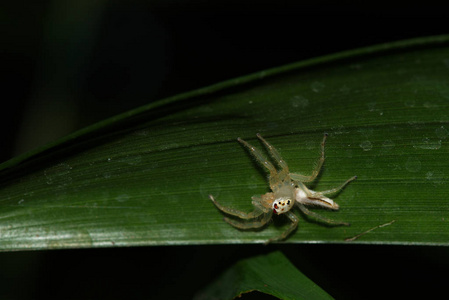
123, 54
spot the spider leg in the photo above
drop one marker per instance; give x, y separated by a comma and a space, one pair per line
334, 190
260, 157
274, 153
318, 217
275, 178
257, 212
257, 202
316, 171
289, 230
250, 225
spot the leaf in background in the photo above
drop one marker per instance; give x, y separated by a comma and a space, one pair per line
271, 274
143, 177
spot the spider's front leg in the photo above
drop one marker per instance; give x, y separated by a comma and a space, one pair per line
289, 230
257, 212
319, 217
258, 223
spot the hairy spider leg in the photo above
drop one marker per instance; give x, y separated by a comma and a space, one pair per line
259, 156
250, 225
319, 217
316, 171
289, 230
335, 190
283, 176
274, 153
263, 160
257, 212
261, 202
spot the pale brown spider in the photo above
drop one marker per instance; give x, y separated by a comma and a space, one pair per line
287, 189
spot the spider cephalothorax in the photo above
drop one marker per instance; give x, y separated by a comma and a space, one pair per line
282, 205
288, 189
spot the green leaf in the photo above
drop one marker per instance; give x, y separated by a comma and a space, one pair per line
271, 274
143, 177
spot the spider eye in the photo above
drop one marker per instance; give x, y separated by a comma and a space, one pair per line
275, 206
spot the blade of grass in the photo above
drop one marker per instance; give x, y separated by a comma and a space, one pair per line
143, 178
271, 274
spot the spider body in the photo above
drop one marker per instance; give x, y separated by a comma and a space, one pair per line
287, 189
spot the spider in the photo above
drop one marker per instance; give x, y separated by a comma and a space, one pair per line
287, 189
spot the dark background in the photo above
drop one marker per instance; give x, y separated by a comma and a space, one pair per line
69, 64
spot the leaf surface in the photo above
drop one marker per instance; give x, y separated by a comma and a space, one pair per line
143, 177
271, 274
